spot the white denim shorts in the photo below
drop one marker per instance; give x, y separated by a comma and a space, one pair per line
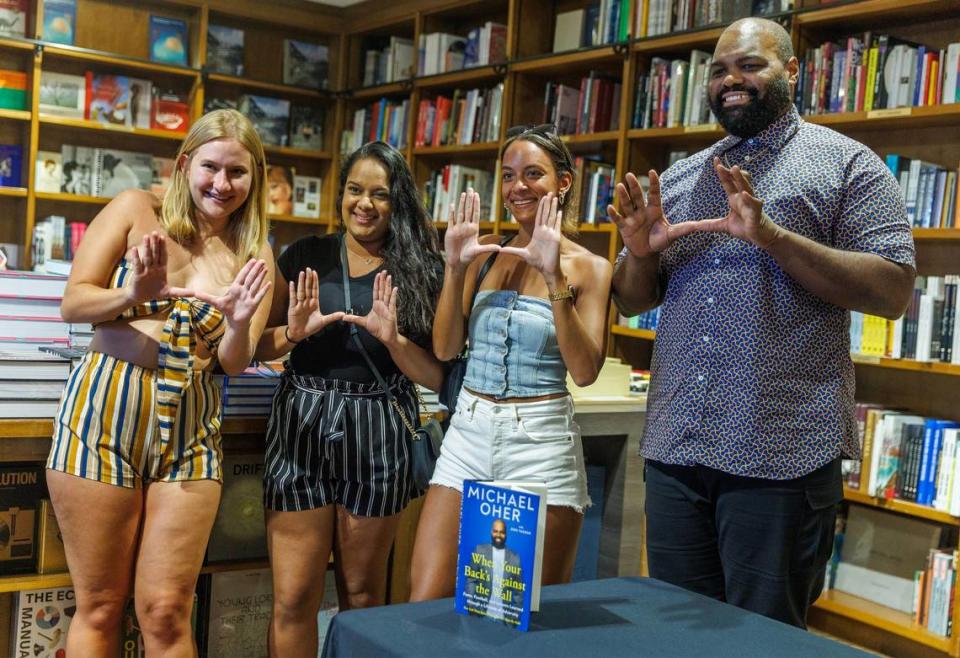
515, 441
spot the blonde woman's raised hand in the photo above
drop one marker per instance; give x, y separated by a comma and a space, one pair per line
304, 317
240, 301
148, 265
643, 226
543, 250
461, 242
381, 321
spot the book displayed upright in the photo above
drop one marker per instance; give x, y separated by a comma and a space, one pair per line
306, 127
13, 17
11, 165
168, 40
41, 620
225, 50
305, 64
501, 550
48, 174
62, 94
238, 613
239, 532
279, 190
306, 196
268, 115
13, 90
118, 100
21, 487
59, 21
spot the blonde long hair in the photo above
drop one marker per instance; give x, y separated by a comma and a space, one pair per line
249, 223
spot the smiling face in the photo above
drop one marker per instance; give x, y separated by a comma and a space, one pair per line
219, 174
498, 534
366, 207
750, 86
526, 175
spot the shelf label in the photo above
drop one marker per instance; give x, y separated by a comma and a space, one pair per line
702, 128
891, 112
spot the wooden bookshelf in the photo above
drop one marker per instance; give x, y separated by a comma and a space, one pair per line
932, 367
936, 234
378, 91
42, 428
874, 12
15, 115
115, 61
72, 198
480, 149
14, 43
13, 191
290, 152
676, 135
273, 87
34, 581
678, 41
293, 219
881, 617
560, 63
926, 116
477, 76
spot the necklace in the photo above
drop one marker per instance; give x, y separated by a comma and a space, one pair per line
367, 260
747, 159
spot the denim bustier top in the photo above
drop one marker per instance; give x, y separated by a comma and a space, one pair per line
514, 351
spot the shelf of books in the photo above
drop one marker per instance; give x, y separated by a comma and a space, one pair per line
88, 124
642, 334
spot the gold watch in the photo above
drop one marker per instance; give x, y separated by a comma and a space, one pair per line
565, 293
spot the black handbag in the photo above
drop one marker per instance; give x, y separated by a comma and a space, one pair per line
457, 368
427, 437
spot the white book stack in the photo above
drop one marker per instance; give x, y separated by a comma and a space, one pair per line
250, 393
30, 311
31, 384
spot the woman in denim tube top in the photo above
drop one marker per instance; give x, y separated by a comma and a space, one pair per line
338, 460
539, 313
134, 472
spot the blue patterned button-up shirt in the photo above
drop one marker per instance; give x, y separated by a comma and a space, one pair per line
751, 374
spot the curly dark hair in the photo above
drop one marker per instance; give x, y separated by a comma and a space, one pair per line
411, 252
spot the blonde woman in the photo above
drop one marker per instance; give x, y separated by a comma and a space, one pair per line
134, 469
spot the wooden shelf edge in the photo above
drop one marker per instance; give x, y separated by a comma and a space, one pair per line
34, 581
456, 78
13, 191
479, 148
42, 428
389, 89
882, 617
15, 115
73, 198
933, 367
15, 43
292, 152
575, 58
936, 234
293, 219
904, 507
674, 40
642, 334
265, 85
86, 124
868, 9
85, 54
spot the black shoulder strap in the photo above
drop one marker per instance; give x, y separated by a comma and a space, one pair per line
354, 333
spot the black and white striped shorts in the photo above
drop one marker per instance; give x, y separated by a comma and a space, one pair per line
331, 441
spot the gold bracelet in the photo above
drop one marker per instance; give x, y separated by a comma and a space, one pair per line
566, 293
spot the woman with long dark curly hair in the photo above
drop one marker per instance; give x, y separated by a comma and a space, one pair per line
338, 470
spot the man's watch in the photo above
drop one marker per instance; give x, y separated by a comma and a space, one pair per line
565, 293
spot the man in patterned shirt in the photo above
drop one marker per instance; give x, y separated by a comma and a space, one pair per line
757, 248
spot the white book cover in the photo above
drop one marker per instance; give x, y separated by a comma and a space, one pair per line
28, 408
49, 172
17, 327
19, 283
62, 94
924, 327
241, 603
569, 27
41, 620
306, 196
402, 64
950, 71
35, 365
28, 389
945, 470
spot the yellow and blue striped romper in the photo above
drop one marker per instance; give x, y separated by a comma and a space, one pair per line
122, 424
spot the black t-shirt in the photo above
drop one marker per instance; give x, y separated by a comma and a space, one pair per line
331, 352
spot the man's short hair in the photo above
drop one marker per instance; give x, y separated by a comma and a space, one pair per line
781, 38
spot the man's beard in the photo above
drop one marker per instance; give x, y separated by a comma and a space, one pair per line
748, 120
498, 542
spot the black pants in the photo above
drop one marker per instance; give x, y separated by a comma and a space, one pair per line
762, 545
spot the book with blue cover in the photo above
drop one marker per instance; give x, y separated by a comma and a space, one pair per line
59, 21
168, 40
11, 165
501, 550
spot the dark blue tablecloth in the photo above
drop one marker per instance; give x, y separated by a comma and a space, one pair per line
598, 618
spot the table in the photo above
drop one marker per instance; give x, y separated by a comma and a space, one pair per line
602, 618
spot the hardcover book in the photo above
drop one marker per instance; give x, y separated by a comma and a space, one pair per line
49, 172
305, 64
41, 620
21, 488
211, 104
13, 90
279, 190
118, 100
78, 165
162, 171
62, 94
225, 50
306, 127
171, 111
268, 115
11, 165
240, 606
239, 532
168, 40
13, 17
306, 196
59, 21
50, 555
501, 550
116, 171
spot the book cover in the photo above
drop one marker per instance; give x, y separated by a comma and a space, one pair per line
11, 165
162, 171
50, 555
13, 89
59, 21
168, 40
306, 196
279, 190
13, 17
306, 127
41, 620
118, 100
225, 50
62, 94
21, 488
305, 64
117, 171
501, 550
240, 606
171, 111
268, 115
78, 164
49, 172
239, 532
211, 104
